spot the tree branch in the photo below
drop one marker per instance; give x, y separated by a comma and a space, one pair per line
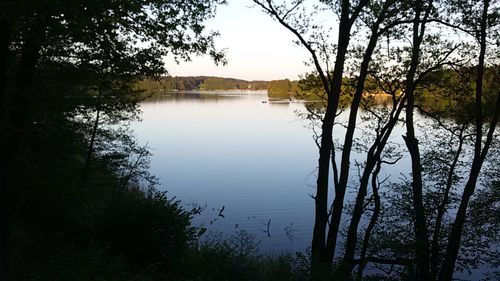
274, 13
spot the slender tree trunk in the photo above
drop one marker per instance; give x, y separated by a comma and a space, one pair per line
347, 265
457, 227
4, 55
345, 26
442, 210
480, 153
318, 254
338, 202
421, 237
371, 225
90, 150
455, 237
321, 253
372, 160
321, 199
348, 261
4, 58
422, 240
13, 129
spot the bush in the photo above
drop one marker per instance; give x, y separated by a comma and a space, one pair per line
149, 230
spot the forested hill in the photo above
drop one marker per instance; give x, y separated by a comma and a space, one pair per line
193, 83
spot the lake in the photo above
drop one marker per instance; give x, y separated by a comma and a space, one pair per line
255, 159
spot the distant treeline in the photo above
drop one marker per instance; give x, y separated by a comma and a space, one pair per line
195, 83
307, 88
282, 88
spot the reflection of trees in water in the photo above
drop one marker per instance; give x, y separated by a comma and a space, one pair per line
200, 96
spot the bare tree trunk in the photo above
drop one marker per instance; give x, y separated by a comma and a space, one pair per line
14, 124
456, 231
318, 253
345, 26
372, 160
333, 100
371, 225
442, 209
4, 58
347, 264
4, 229
455, 237
480, 153
322, 255
421, 237
422, 240
90, 150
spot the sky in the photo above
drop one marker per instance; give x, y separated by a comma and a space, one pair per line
257, 48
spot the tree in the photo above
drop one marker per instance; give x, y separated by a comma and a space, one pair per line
404, 73
279, 88
379, 18
422, 13
487, 16
104, 44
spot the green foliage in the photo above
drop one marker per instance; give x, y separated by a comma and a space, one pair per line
146, 229
449, 92
311, 88
124, 38
218, 259
165, 85
67, 73
217, 83
109, 230
279, 89
286, 267
238, 258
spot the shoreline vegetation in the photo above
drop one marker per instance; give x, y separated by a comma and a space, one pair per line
308, 88
276, 89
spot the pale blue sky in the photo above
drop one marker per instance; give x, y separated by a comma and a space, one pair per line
258, 48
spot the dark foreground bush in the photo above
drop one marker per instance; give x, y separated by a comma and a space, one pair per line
135, 235
238, 258
149, 230
131, 235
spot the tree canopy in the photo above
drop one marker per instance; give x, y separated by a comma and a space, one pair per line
67, 70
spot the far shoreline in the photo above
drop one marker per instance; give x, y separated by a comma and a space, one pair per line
214, 92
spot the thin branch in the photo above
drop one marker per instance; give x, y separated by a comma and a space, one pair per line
272, 11
357, 10
293, 8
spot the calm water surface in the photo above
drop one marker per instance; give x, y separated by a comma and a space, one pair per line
253, 158
256, 160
